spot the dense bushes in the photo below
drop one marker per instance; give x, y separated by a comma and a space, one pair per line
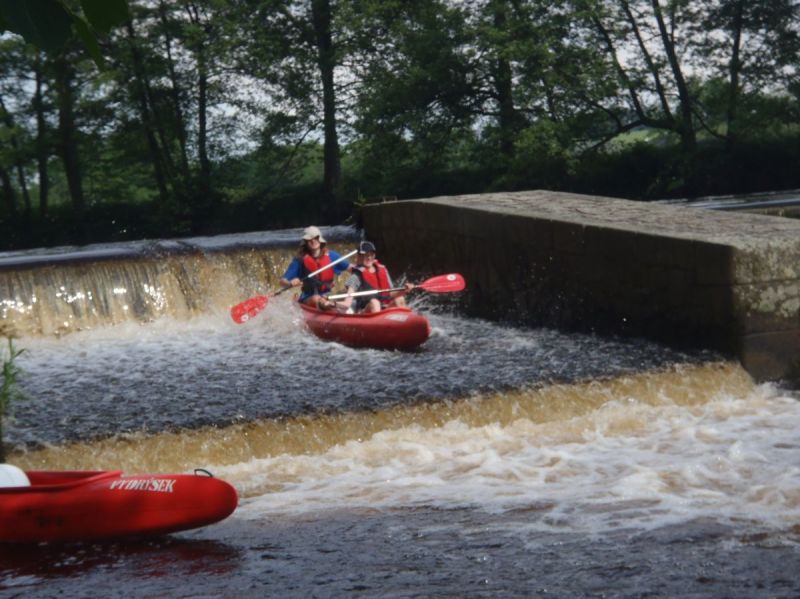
640, 170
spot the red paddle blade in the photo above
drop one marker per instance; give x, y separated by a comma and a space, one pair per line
444, 283
249, 308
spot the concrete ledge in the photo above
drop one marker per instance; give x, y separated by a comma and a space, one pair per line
722, 280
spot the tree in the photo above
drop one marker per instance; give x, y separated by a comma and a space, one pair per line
142, 91
68, 136
296, 49
53, 25
12, 133
533, 78
412, 67
322, 21
758, 47
17, 137
42, 134
652, 45
642, 46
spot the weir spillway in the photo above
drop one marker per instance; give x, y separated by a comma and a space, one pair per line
718, 280
57, 291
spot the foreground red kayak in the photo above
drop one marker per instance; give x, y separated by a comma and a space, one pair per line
392, 328
92, 506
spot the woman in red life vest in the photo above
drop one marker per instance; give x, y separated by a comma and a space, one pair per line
312, 256
369, 274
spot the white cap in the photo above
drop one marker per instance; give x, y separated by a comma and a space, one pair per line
311, 233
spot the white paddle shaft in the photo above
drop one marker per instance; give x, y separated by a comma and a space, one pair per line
319, 270
369, 292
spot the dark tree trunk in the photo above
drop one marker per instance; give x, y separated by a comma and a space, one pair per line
508, 117
18, 163
202, 116
141, 90
326, 60
735, 68
651, 66
685, 123
9, 195
42, 149
23, 185
175, 93
685, 126
68, 144
202, 100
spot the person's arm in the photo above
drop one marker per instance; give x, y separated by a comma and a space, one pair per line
291, 278
341, 266
408, 287
394, 294
352, 285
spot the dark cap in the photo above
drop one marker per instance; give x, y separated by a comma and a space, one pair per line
366, 246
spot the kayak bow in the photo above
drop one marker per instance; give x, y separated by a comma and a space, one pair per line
92, 506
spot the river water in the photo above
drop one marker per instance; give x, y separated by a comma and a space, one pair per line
494, 461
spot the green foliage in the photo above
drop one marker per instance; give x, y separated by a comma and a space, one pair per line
43, 23
9, 392
9, 387
48, 24
103, 15
542, 158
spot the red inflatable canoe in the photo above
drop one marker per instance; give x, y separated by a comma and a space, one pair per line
92, 506
392, 328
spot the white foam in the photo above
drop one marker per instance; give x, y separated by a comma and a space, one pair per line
627, 464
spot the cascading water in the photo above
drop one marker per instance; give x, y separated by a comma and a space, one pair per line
104, 285
494, 460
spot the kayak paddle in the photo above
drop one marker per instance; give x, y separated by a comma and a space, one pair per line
245, 310
438, 284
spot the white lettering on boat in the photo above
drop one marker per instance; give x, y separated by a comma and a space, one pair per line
159, 485
397, 317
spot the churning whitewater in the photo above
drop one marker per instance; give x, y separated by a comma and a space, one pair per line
628, 464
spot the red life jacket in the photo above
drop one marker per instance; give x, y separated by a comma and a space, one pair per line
375, 280
325, 278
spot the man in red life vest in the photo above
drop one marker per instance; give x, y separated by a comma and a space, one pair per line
312, 256
369, 274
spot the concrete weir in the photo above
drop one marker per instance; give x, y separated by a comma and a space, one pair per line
683, 276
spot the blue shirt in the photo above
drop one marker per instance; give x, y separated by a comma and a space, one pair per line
295, 269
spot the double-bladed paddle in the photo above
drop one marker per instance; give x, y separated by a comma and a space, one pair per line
438, 284
245, 310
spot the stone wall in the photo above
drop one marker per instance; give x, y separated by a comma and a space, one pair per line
685, 276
